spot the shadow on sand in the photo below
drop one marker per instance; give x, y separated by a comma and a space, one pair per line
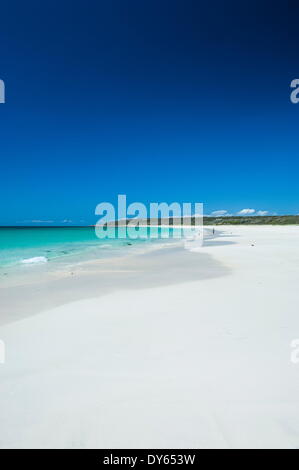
162, 267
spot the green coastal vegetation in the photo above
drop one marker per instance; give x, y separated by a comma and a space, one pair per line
228, 220
253, 220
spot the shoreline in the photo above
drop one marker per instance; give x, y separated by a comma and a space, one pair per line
95, 278
71, 245
192, 350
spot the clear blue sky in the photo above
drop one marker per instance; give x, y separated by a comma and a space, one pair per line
159, 100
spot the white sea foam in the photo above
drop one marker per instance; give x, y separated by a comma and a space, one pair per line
36, 259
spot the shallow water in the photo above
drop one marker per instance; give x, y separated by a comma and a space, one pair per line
25, 248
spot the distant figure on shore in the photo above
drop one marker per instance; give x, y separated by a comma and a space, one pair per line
213, 231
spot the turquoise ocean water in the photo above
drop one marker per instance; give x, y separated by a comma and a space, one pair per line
36, 245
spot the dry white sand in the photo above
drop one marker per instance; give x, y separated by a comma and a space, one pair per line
193, 351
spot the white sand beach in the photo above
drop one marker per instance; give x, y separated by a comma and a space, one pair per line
167, 349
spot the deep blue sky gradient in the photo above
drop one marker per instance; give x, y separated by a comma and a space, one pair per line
159, 100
